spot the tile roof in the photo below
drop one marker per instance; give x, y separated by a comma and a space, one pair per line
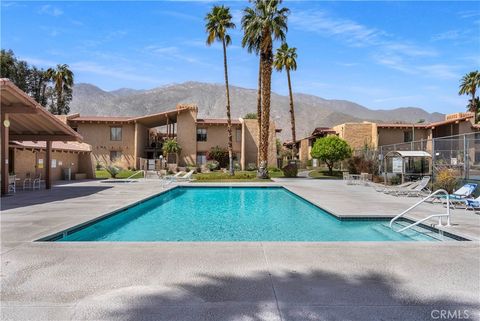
217, 121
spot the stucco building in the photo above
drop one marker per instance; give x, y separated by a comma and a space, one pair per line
373, 135
128, 140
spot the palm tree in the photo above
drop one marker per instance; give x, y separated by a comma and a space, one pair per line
468, 86
62, 77
286, 59
218, 21
252, 42
269, 22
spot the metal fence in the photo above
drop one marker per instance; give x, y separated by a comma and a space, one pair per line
458, 152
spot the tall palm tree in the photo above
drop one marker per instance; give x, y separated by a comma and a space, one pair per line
252, 42
62, 78
218, 21
468, 86
270, 23
285, 58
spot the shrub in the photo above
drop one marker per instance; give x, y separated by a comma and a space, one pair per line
251, 167
98, 166
357, 165
446, 179
290, 170
330, 150
224, 176
395, 180
274, 169
220, 155
212, 165
113, 170
250, 116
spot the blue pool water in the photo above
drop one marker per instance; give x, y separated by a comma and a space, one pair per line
233, 214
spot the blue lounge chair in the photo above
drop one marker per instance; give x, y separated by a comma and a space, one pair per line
460, 195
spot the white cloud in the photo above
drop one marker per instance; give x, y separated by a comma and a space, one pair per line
50, 10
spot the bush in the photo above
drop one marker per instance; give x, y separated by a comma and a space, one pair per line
225, 176
395, 180
291, 170
251, 167
220, 155
274, 169
113, 170
357, 165
446, 179
98, 166
212, 165
250, 116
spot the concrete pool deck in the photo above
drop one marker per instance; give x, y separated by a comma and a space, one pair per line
228, 280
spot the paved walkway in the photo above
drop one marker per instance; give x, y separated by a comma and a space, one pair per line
223, 281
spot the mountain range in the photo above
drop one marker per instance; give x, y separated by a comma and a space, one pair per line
310, 111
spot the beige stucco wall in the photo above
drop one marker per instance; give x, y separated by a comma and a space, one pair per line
250, 128
304, 151
357, 135
98, 136
187, 137
387, 136
217, 135
26, 161
141, 140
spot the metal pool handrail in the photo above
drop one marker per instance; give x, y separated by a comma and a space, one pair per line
447, 214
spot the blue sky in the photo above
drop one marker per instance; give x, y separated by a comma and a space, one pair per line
378, 54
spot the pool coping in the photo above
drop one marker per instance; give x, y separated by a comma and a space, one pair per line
52, 237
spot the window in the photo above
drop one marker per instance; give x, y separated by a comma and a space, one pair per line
116, 133
115, 155
201, 158
201, 134
407, 136
238, 135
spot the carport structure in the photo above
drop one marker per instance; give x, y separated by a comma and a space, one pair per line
23, 119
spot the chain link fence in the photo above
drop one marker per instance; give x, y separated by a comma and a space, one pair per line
459, 152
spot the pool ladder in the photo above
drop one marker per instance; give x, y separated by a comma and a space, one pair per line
440, 216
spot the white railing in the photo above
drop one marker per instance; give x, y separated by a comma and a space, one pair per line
135, 174
440, 216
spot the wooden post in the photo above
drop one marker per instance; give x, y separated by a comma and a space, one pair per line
4, 151
48, 165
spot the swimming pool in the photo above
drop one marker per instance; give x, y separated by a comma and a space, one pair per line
234, 214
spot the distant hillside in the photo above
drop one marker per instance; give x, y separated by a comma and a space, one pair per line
311, 111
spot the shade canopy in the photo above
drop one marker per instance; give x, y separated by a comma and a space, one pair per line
28, 120
408, 153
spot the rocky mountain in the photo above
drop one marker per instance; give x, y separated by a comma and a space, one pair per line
311, 111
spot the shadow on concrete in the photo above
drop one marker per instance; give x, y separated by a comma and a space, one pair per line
292, 296
57, 193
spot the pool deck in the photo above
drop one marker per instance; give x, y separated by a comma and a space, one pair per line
229, 280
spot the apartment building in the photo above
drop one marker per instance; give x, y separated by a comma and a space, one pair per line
129, 139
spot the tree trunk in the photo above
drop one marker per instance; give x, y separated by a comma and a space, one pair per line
474, 107
267, 59
229, 120
292, 117
259, 108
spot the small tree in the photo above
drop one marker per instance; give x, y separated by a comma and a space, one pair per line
331, 149
250, 116
171, 146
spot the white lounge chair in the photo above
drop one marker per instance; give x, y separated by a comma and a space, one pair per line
38, 181
396, 188
418, 190
174, 176
186, 177
27, 182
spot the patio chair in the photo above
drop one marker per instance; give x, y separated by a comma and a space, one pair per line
174, 176
459, 196
420, 190
186, 177
12, 185
27, 182
401, 187
472, 204
38, 181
